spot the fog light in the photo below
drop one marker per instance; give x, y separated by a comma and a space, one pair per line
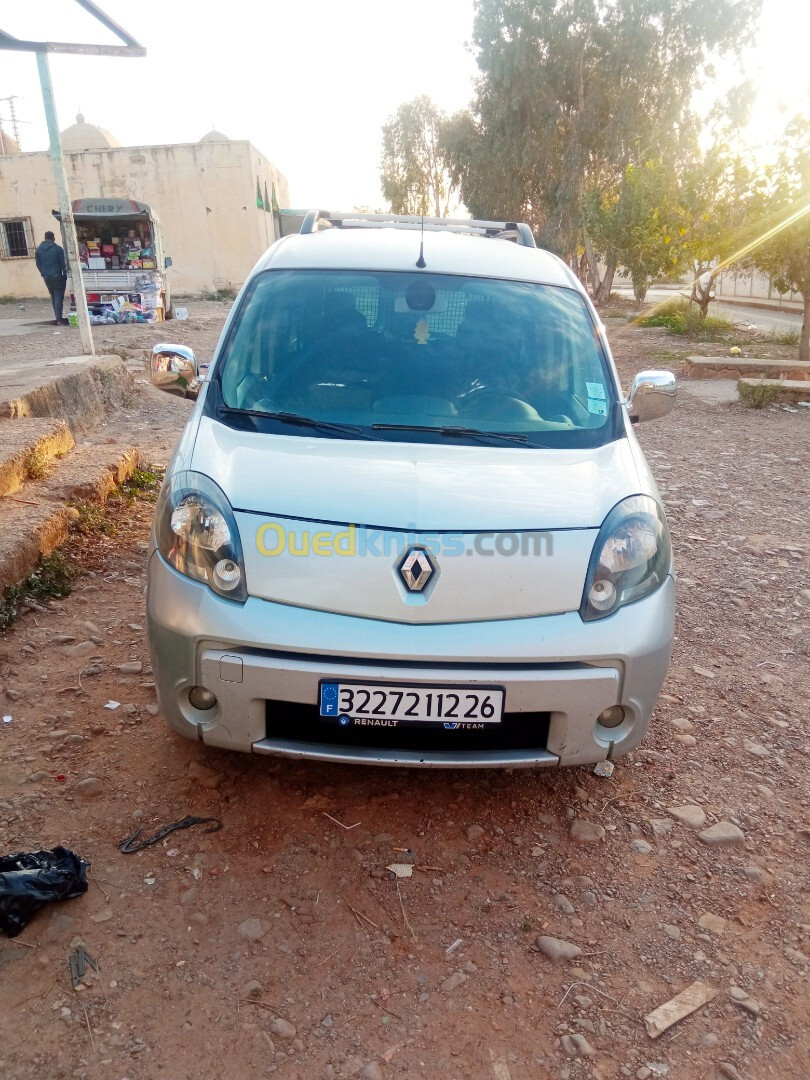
602, 595
227, 574
611, 717
201, 698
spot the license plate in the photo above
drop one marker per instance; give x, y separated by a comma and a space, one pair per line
376, 705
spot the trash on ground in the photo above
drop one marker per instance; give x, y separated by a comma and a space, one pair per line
604, 769
340, 823
399, 869
80, 960
128, 845
29, 880
454, 946
688, 1001
6, 719
113, 705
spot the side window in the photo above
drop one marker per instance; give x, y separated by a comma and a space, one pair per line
16, 239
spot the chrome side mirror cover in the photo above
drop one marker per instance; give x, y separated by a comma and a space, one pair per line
652, 395
174, 368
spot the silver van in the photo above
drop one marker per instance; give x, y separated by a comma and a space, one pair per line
408, 522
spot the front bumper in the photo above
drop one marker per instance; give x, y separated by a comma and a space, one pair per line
261, 651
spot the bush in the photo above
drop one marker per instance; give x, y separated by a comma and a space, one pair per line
680, 317
757, 395
784, 337
50, 580
37, 464
224, 293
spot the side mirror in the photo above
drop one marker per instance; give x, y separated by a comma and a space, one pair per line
174, 368
167, 262
652, 395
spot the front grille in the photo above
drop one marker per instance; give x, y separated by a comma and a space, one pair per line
302, 723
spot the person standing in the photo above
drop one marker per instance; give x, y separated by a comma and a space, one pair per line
50, 260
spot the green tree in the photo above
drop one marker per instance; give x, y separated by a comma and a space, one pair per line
571, 93
414, 176
783, 243
716, 190
639, 224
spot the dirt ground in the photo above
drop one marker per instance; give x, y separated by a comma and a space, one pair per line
282, 944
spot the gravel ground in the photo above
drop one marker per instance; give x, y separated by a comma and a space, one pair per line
282, 944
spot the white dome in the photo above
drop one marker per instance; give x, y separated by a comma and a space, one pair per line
83, 136
214, 136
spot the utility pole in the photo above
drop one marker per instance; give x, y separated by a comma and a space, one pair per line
15, 128
65, 208
15, 124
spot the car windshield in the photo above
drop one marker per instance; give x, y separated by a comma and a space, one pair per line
415, 357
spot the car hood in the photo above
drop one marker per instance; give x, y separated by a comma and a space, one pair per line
421, 486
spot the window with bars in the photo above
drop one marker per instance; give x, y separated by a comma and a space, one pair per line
16, 239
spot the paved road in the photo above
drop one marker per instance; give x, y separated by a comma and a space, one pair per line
16, 327
777, 319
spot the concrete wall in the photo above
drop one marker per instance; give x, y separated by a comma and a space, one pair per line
203, 193
752, 285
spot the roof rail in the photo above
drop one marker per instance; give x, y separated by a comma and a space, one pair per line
516, 231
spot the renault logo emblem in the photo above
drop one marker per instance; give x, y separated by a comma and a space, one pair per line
416, 570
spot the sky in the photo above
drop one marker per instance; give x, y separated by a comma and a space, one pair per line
309, 83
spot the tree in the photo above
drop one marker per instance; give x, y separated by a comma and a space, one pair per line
571, 93
640, 224
784, 248
715, 206
414, 176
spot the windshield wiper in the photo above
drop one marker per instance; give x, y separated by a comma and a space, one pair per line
451, 431
302, 421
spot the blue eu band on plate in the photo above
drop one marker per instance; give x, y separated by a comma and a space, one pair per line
388, 705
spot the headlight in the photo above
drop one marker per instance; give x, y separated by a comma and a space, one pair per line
196, 533
631, 557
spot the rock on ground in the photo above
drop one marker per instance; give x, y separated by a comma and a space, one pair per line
694, 817
586, 832
283, 1029
557, 950
253, 929
723, 835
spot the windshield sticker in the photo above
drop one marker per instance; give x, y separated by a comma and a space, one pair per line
596, 390
596, 407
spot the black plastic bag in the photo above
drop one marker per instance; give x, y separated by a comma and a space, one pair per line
29, 880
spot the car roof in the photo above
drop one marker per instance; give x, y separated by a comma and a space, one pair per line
397, 248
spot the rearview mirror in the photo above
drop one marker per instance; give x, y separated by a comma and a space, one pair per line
652, 395
174, 368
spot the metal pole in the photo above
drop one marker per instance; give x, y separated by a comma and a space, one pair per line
65, 209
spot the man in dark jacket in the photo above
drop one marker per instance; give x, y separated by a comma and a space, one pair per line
50, 259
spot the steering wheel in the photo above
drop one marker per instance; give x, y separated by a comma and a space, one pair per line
315, 360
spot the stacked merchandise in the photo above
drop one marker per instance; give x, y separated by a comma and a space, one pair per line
128, 246
135, 251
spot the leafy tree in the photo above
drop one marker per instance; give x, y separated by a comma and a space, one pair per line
783, 243
640, 224
715, 207
414, 176
571, 93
